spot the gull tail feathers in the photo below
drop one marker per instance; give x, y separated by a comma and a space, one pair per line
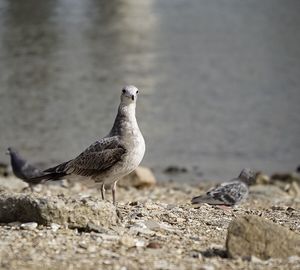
30, 173
56, 173
54, 176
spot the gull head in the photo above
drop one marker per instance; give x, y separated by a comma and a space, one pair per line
129, 94
247, 176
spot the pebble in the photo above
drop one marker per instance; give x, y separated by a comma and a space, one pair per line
154, 245
254, 259
109, 237
54, 227
128, 241
207, 267
95, 228
262, 179
139, 243
29, 226
92, 248
152, 225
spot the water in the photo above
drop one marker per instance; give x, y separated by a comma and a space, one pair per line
219, 80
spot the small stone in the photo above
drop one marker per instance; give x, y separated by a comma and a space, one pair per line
135, 203
91, 227
110, 238
127, 241
152, 225
139, 227
54, 227
180, 220
107, 262
92, 248
139, 243
83, 245
254, 259
29, 226
140, 178
262, 179
207, 267
154, 245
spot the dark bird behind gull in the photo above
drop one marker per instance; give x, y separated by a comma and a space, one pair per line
111, 158
24, 170
228, 193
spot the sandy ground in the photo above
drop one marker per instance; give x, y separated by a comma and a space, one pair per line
158, 229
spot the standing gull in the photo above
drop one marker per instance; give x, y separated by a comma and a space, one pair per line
23, 170
116, 155
228, 193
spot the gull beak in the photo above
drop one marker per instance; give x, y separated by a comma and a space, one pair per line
132, 97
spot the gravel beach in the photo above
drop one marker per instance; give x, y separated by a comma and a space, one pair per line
153, 228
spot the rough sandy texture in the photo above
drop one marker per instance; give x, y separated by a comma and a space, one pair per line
158, 229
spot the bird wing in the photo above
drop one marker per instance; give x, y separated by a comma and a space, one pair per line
97, 158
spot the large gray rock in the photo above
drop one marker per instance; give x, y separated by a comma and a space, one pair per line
73, 212
256, 236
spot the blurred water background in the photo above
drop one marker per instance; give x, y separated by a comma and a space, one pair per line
219, 80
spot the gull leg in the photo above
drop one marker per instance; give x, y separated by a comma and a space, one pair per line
113, 190
103, 191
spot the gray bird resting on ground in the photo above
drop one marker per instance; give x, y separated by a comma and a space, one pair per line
228, 193
111, 158
24, 170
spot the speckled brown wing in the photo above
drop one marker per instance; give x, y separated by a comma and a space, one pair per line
99, 157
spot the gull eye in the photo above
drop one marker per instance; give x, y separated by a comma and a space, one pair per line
137, 91
124, 91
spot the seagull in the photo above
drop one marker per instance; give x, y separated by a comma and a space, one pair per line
23, 170
228, 193
111, 158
